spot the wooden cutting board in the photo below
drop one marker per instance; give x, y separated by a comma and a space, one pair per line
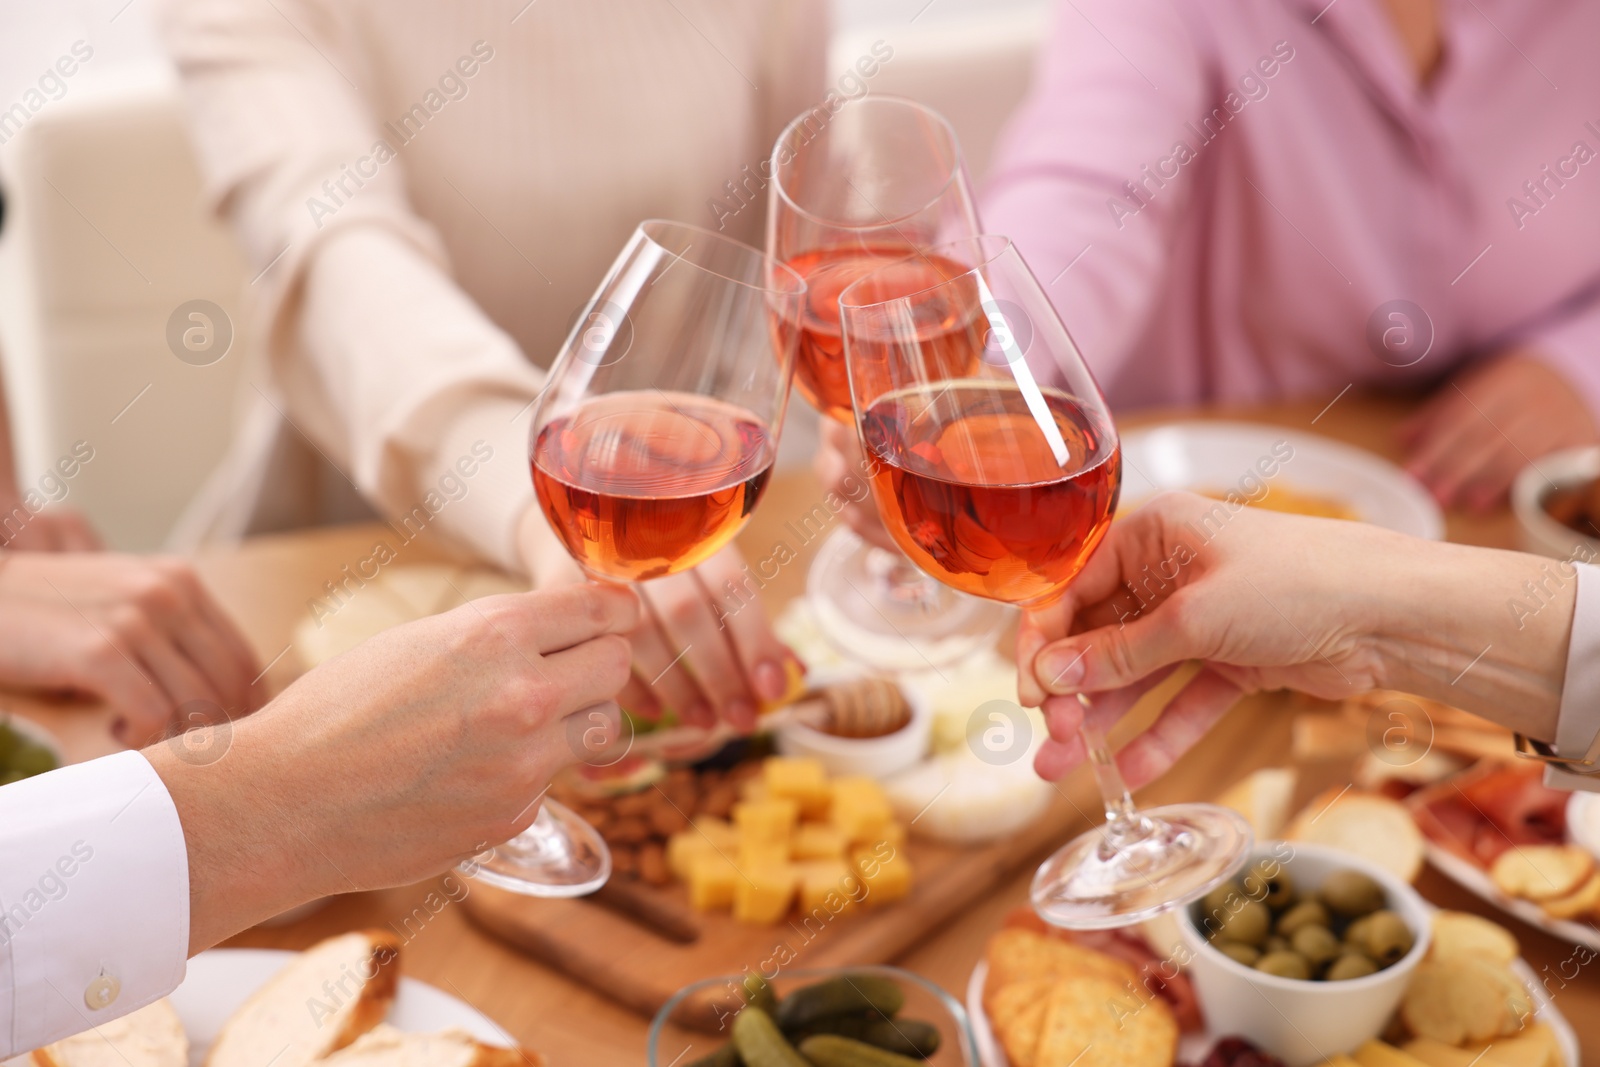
641, 969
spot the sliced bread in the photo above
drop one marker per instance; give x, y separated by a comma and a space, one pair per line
388, 1047
323, 1000
149, 1037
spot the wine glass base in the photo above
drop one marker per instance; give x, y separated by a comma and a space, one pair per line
1180, 853
879, 609
560, 855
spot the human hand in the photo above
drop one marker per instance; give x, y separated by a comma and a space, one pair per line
408, 754
842, 468
703, 647
1470, 440
51, 530
141, 634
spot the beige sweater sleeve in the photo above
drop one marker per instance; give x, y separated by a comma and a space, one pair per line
377, 356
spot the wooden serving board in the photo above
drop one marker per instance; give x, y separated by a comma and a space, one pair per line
641, 969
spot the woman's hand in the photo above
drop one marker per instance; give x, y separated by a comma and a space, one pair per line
412, 752
1470, 440
51, 530
1269, 601
703, 646
141, 634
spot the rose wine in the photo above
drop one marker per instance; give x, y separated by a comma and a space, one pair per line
641, 484
979, 494
820, 364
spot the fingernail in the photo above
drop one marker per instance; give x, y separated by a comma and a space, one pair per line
742, 715
771, 682
1062, 670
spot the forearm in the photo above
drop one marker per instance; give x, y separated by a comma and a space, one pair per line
1479, 629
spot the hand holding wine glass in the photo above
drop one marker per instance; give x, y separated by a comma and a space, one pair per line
997, 472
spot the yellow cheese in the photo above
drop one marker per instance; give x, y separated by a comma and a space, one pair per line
821, 880
1377, 1054
766, 820
886, 873
719, 832
818, 841
763, 895
712, 879
860, 809
758, 854
683, 848
805, 781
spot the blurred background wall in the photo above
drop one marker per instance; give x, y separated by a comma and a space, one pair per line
106, 246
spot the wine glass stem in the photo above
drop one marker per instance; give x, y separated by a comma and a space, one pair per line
1124, 824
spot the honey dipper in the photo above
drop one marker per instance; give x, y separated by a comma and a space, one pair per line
859, 708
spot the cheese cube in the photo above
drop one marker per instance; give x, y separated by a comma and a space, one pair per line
755, 855
766, 820
828, 885
712, 879
683, 848
818, 841
886, 872
719, 832
860, 809
804, 781
763, 895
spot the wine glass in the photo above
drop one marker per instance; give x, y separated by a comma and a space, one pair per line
651, 444
997, 472
853, 190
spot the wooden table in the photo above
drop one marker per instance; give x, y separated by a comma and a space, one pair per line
269, 581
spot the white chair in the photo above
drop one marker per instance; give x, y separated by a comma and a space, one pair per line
105, 237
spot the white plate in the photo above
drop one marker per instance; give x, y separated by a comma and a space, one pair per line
1216, 456
219, 981
1192, 1048
1476, 880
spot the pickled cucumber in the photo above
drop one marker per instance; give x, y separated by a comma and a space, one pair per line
909, 1037
844, 995
758, 994
761, 1044
832, 1050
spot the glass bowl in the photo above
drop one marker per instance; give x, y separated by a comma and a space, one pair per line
696, 1021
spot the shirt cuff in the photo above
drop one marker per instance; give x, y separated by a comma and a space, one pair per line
94, 898
1578, 721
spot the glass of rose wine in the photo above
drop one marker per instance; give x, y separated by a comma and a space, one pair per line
651, 444
852, 190
997, 471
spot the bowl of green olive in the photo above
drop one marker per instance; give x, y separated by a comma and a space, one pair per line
1307, 951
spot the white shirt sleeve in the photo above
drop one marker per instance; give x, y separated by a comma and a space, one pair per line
1579, 718
94, 898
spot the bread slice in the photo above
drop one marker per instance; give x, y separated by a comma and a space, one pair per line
149, 1037
1366, 824
1263, 799
388, 1047
328, 996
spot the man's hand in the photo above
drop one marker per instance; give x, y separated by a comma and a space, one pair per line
410, 753
51, 530
1470, 440
699, 650
141, 634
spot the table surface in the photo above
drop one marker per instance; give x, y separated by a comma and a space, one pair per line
269, 581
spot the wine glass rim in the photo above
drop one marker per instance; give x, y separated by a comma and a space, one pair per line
870, 98
655, 230
992, 246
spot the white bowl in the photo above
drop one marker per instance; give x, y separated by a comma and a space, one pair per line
1537, 530
877, 757
1305, 1023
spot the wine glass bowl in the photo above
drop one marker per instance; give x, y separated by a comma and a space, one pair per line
651, 444
996, 468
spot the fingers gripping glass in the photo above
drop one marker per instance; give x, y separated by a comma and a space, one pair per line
652, 443
853, 190
996, 468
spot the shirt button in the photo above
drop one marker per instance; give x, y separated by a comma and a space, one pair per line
102, 992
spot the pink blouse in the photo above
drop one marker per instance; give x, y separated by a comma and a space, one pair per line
1240, 200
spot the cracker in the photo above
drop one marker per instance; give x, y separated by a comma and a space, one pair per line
1542, 872
1095, 1021
1576, 905
1020, 1037
1016, 955
1467, 999
1458, 934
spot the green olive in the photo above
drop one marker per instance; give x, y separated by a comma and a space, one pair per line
1355, 934
1248, 925
30, 759
1351, 893
1218, 904
1348, 966
1245, 954
1387, 937
1305, 913
1276, 943
1317, 944
9, 740
1285, 965
1269, 882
